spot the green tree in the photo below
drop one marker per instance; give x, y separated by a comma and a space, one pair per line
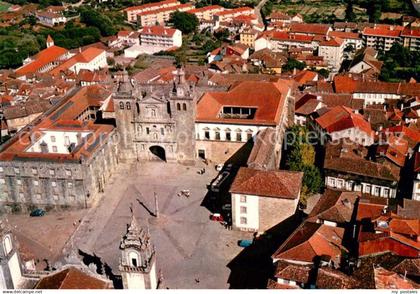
185, 22
93, 18
292, 64
350, 15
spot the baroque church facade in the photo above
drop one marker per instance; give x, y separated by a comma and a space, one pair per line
156, 123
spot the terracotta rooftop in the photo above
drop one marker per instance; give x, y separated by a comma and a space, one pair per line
344, 35
41, 59
309, 28
312, 240
151, 5
328, 278
334, 206
158, 31
293, 272
341, 118
85, 56
63, 117
267, 98
382, 32
71, 278
166, 9
385, 279
278, 183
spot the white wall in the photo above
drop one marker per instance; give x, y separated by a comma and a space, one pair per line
200, 129
251, 215
63, 139
354, 134
348, 185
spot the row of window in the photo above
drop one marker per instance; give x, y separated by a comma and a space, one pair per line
228, 135
368, 188
35, 171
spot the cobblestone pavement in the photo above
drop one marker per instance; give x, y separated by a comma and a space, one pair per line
192, 251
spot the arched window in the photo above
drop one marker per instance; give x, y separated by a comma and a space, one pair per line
134, 259
228, 134
138, 108
121, 105
178, 106
155, 136
7, 244
128, 105
184, 106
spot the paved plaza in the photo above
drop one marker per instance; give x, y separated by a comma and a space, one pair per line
192, 251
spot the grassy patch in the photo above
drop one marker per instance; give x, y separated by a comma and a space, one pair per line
4, 6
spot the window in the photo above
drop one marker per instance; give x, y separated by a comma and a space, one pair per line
17, 171
53, 139
66, 140
248, 136
7, 243
243, 209
153, 112
128, 105
54, 149
19, 182
162, 131
386, 192
147, 131
243, 220
184, 106
52, 172
243, 199
368, 189
377, 191
68, 172
54, 184
178, 106
34, 171
228, 137
239, 136
217, 135
70, 185
36, 183
121, 105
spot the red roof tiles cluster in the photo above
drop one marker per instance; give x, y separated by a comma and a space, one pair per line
278, 184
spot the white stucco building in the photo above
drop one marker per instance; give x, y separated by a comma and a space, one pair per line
262, 199
332, 49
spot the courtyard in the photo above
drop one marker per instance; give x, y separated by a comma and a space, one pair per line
192, 251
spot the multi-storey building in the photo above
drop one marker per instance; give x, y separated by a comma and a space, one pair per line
381, 37
206, 13
225, 121
160, 36
131, 12
411, 37
64, 159
160, 16
229, 14
332, 49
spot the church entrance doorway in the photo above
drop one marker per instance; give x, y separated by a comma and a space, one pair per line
158, 153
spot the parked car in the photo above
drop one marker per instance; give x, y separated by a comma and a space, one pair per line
216, 217
244, 243
37, 212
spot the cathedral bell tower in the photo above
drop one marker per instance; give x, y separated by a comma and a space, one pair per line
183, 106
138, 259
124, 106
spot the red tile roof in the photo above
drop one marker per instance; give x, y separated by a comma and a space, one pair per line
268, 98
286, 36
150, 5
332, 42
341, 118
164, 9
411, 32
309, 28
158, 31
235, 10
205, 8
41, 59
385, 279
85, 56
278, 184
382, 31
312, 240
344, 35
71, 278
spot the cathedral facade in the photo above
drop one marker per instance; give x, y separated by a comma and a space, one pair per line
156, 123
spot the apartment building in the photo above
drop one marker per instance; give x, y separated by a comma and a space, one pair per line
381, 37
160, 36
206, 13
131, 12
160, 16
